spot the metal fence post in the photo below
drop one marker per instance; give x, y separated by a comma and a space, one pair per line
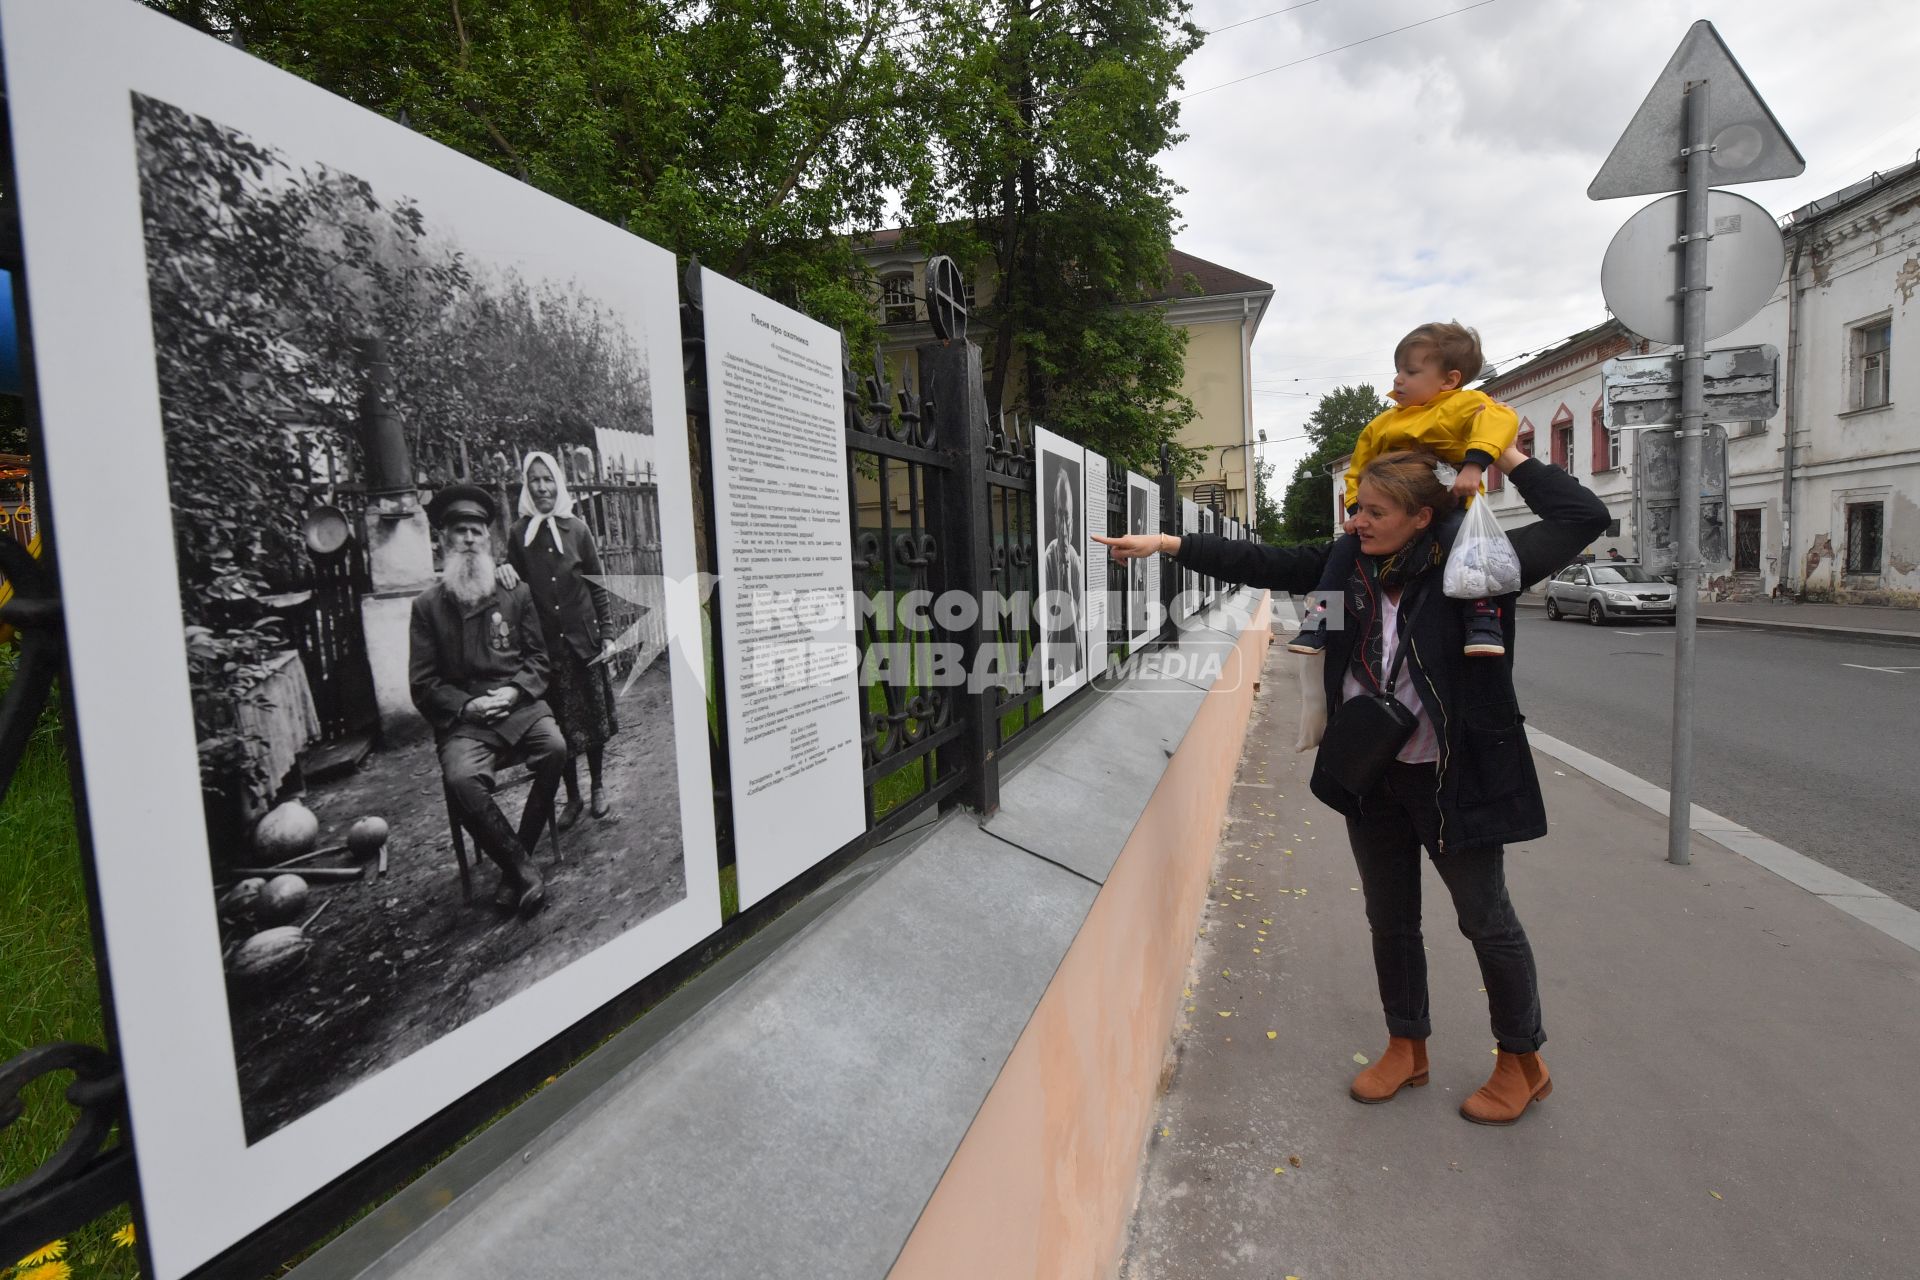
693, 357
956, 401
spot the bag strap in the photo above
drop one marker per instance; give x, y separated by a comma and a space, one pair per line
1400, 650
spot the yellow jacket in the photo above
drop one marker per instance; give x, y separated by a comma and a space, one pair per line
1449, 425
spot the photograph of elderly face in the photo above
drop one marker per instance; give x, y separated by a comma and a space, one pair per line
1063, 578
417, 527
1139, 505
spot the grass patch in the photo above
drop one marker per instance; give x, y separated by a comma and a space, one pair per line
49, 988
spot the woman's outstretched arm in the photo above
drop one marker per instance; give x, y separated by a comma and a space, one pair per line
1293, 569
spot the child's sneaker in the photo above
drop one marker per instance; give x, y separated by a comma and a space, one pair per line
1313, 635
1485, 638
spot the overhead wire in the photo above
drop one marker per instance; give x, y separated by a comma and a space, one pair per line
1353, 44
1214, 31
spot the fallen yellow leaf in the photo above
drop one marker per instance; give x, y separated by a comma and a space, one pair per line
1226, 1013
1716, 1195
1271, 1035
1256, 951
1360, 1058
1278, 1169
1165, 1132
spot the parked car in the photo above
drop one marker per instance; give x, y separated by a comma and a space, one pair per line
1610, 589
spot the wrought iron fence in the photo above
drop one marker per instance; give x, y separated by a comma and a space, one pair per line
944, 501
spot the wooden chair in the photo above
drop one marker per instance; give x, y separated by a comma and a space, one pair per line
519, 776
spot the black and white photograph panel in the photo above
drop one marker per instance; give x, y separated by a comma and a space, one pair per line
1145, 611
1140, 498
1062, 601
400, 673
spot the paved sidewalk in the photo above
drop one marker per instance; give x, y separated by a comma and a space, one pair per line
1875, 621
1734, 1063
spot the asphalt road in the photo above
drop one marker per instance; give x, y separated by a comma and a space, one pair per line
1795, 736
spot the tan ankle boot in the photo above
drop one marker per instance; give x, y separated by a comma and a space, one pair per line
1403, 1064
1517, 1080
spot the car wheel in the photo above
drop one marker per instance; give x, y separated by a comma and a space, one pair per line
1595, 615
1553, 609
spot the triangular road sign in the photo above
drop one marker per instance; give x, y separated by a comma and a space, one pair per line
1749, 144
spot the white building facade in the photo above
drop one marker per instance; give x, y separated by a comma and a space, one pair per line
1839, 518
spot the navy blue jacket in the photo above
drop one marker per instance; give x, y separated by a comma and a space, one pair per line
1486, 789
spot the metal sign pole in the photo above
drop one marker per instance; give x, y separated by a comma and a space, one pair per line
1693, 328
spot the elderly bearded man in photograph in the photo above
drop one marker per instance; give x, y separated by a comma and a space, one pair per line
478, 668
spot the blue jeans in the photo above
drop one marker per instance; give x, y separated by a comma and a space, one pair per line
1397, 819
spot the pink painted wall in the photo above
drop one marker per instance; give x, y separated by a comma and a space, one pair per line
1044, 1180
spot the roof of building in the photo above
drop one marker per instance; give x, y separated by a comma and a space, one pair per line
1817, 209
1214, 280
1551, 353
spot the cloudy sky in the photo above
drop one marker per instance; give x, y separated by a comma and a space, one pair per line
1441, 172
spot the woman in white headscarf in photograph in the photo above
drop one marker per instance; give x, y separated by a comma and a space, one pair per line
553, 552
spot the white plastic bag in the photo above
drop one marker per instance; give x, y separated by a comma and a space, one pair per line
1313, 701
1482, 563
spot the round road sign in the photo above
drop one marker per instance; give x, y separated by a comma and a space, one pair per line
1641, 273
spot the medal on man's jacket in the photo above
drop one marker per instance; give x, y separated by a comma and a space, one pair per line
499, 634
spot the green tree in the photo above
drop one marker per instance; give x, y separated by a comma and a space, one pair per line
1048, 125
1336, 423
749, 134
1267, 526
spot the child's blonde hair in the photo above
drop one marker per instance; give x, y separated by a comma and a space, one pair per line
1455, 346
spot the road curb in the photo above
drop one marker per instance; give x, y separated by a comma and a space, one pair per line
1803, 628
1863, 902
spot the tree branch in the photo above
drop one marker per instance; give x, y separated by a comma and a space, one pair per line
835, 117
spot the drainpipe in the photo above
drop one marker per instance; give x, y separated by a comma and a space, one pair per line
1790, 395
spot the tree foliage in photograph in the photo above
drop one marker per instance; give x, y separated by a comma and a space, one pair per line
1048, 125
267, 280
1333, 428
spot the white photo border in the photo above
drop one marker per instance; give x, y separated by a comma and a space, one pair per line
1047, 444
71, 69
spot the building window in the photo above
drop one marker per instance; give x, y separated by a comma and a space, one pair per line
967, 297
1613, 449
1563, 447
1525, 440
1872, 343
1746, 541
1864, 526
896, 299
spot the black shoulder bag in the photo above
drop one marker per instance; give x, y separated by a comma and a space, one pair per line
1367, 732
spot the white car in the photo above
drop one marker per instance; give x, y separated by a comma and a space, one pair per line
1607, 590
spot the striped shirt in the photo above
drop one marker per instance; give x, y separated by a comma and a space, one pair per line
1424, 746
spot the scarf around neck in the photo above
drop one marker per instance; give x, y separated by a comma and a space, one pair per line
1373, 577
562, 500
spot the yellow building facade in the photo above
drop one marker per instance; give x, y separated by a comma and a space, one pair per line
1219, 308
